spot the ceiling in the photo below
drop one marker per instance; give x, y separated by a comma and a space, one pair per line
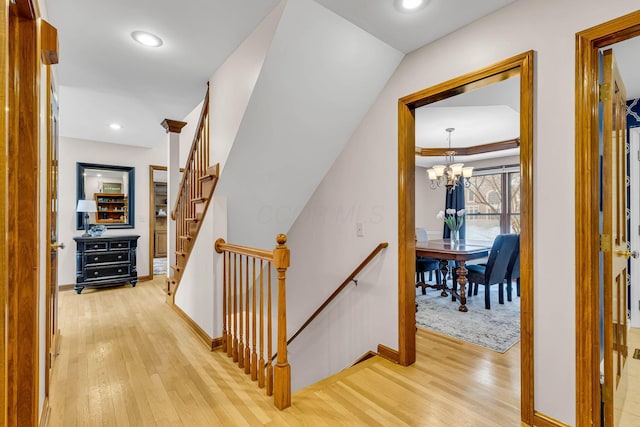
105, 77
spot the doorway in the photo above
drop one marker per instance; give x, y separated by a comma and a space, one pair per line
521, 65
158, 217
588, 239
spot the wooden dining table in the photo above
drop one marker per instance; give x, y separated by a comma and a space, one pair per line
445, 250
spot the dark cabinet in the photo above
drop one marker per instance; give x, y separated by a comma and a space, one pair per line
105, 261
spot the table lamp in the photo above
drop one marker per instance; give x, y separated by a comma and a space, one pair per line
86, 206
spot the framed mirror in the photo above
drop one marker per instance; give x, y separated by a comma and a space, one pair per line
112, 189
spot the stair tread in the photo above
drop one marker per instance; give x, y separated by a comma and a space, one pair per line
345, 373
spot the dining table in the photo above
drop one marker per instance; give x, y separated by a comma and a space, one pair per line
460, 252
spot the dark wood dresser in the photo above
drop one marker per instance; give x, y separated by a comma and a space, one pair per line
105, 261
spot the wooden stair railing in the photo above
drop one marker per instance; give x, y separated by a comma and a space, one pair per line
196, 190
340, 288
245, 271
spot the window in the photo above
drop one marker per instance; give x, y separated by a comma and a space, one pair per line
492, 203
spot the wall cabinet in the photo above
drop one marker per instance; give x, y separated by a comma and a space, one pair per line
112, 208
105, 261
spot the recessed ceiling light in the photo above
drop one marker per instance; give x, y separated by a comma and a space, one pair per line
410, 5
147, 39
115, 126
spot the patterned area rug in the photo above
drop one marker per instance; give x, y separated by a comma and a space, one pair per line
497, 329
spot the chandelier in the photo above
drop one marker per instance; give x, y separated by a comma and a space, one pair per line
449, 176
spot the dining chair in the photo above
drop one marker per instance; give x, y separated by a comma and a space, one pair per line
513, 273
495, 271
424, 264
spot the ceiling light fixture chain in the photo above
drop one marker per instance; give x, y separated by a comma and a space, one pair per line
450, 175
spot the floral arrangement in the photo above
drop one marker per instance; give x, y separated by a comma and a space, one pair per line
453, 219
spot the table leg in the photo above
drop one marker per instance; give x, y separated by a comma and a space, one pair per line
462, 281
444, 268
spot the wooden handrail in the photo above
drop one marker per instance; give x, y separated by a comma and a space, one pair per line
192, 152
221, 247
344, 284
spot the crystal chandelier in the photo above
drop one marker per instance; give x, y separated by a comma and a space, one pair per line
451, 174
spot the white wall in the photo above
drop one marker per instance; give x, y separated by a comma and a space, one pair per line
365, 176
77, 150
231, 88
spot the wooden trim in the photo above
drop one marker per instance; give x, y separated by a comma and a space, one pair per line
62, 288
521, 65
26, 9
4, 199
217, 343
587, 303
340, 288
388, 353
468, 151
145, 278
197, 330
174, 126
152, 216
48, 43
22, 337
221, 246
45, 414
542, 420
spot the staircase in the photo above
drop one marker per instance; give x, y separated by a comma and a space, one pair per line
196, 190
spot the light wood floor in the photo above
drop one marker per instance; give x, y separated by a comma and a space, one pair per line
126, 359
631, 409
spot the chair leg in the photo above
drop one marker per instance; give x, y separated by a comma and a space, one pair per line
501, 293
438, 277
509, 290
487, 300
469, 289
518, 286
430, 275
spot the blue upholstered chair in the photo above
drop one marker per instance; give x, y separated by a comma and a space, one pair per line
513, 273
495, 271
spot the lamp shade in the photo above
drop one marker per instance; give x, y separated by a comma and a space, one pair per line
86, 206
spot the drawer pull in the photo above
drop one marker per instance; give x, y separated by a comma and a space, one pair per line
119, 270
119, 256
95, 246
96, 258
95, 273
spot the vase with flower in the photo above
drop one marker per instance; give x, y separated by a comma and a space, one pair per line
454, 220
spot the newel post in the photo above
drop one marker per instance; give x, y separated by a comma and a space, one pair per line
282, 371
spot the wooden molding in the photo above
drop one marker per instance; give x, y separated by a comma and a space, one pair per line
45, 414
587, 163
145, 278
467, 151
174, 126
542, 420
152, 215
200, 333
48, 43
521, 65
217, 343
62, 288
4, 201
388, 353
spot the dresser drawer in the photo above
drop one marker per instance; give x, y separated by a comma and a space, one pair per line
119, 244
103, 257
96, 246
99, 273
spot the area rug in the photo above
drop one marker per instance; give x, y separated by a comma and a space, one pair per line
497, 329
